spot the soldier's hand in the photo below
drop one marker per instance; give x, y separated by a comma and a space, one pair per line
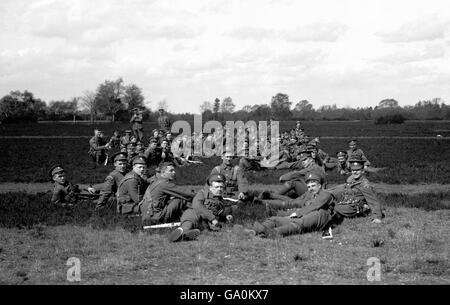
91, 190
241, 196
215, 222
229, 218
293, 215
376, 220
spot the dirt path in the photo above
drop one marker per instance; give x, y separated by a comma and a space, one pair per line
379, 187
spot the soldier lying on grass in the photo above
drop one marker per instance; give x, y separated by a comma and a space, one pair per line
314, 214
208, 211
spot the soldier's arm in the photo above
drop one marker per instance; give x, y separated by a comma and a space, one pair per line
199, 206
323, 200
56, 196
372, 200
176, 191
133, 189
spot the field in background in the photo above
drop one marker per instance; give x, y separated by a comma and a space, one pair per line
313, 128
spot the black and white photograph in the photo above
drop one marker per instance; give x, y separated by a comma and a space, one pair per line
225, 148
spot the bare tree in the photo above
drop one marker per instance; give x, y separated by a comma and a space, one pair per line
89, 103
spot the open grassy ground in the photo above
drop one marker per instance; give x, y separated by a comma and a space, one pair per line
36, 240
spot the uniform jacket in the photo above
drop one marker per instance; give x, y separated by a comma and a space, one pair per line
159, 192
64, 193
136, 119
313, 202
131, 188
164, 122
236, 180
124, 141
110, 186
300, 174
97, 146
359, 152
207, 205
359, 192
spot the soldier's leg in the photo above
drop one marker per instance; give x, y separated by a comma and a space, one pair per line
140, 134
299, 187
173, 210
277, 204
314, 221
285, 188
244, 163
346, 210
187, 231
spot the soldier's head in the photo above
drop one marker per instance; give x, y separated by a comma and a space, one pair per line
216, 184
227, 158
352, 144
164, 144
153, 143
139, 165
306, 158
169, 136
161, 111
120, 161
139, 146
116, 133
342, 156
167, 170
127, 132
314, 181
155, 133
57, 174
356, 166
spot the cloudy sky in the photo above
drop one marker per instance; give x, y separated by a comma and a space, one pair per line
349, 53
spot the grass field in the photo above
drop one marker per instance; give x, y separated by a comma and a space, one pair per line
412, 243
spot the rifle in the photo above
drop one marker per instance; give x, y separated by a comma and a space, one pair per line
163, 225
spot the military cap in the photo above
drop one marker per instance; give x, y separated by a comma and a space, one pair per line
128, 131
314, 175
216, 178
356, 161
57, 168
138, 160
138, 142
304, 155
135, 109
119, 156
352, 140
341, 153
153, 140
160, 110
131, 144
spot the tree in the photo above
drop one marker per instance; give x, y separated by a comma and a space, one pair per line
281, 105
109, 97
89, 103
388, 103
133, 97
216, 106
62, 110
247, 108
303, 106
163, 104
206, 105
227, 105
18, 106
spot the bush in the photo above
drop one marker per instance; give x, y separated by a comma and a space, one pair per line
390, 119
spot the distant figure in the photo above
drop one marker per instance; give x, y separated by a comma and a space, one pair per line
138, 128
163, 121
98, 147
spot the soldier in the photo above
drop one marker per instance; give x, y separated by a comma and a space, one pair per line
208, 211
114, 141
352, 144
314, 213
139, 150
164, 201
340, 164
356, 197
138, 128
109, 188
64, 192
247, 162
235, 179
166, 155
125, 139
152, 154
163, 121
294, 181
132, 187
98, 147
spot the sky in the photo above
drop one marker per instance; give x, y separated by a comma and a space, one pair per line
344, 52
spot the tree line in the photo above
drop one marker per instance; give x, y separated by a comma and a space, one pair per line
113, 100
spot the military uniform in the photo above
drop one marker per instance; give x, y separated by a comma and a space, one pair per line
164, 122
131, 190
125, 140
163, 202
314, 216
356, 197
97, 149
137, 127
65, 193
235, 179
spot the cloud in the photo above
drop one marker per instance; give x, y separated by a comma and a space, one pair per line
416, 54
327, 32
174, 31
423, 30
249, 32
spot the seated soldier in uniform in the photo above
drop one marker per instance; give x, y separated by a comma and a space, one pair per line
125, 139
109, 188
164, 201
248, 162
293, 182
315, 214
354, 150
208, 211
98, 147
132, 187
340, 164
356, 197
152, 154
139, 150
64, 192
236, 184
114, 141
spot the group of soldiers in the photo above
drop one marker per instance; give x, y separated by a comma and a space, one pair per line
303, 203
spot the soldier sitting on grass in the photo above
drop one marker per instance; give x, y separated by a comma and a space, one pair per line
64, 192
209, 210
356, 198
314, 214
